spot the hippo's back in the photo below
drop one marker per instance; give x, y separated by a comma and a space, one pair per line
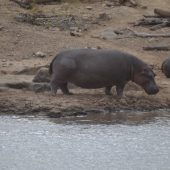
97, 57
89, 53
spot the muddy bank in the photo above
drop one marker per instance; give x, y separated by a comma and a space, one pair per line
81, 103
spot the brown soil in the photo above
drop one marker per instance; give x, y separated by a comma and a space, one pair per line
19, 41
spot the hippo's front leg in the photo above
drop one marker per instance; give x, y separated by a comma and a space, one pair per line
119, 90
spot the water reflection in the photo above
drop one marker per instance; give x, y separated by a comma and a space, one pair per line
33, 142
102, 117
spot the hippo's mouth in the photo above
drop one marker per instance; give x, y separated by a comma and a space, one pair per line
151, 90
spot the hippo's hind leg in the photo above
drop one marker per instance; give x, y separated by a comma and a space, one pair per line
57, 84
59, 80
108, 90
119, 90
65, 89
54, 86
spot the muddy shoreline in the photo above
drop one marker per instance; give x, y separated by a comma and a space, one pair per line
79, 104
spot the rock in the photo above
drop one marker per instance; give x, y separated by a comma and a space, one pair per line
40, 54
74, 29
1, 28
75, 33
3, 89
89, 7
18, 85
104, 17
144, 7
3, 72
24, 3
95, 48
28, 71
4, 60
62, 22
108, 34
109, 4
40, 87
42, 75
99, 47
86, 16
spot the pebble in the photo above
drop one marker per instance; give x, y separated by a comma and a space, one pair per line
40, 54
108, 34
104, 16
89, 7
1, 28
75, 33
109, 4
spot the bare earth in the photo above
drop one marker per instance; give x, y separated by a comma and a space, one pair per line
18, 41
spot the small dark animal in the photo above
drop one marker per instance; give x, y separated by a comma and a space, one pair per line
166, 67
92, 68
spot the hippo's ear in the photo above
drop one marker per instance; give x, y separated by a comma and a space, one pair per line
148, 73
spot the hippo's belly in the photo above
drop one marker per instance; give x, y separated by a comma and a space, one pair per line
91, 81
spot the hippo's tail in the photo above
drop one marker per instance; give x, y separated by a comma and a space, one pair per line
51, 65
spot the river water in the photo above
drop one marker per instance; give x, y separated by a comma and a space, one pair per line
43, 143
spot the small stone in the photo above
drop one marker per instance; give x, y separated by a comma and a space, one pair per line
144, 7
18, 85
40, 54
75, 33
99, 47
3, 89
89, 7
3, 72
108, 34
109, 4
4, 60
85, 16
74, 28
1, 28
104, 17
95, 36
94, 48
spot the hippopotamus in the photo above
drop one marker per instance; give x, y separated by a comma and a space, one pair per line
93, 68
166, 67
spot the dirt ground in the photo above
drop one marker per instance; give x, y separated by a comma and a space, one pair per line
18, 42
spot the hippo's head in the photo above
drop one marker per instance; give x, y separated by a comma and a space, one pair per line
146, 79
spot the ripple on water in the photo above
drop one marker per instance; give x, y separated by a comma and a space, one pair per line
46, 143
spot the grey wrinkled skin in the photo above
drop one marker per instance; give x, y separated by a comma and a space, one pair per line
166, 67
92, 68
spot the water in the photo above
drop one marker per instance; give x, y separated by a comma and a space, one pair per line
49, 144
